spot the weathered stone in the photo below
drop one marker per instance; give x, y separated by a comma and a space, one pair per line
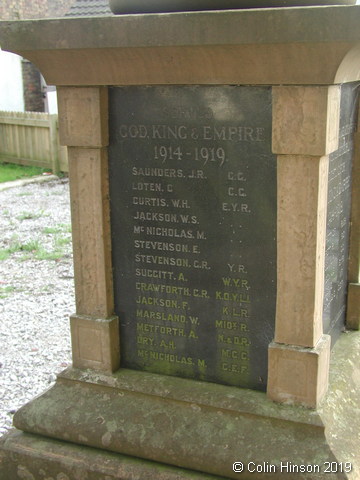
341, 199
95, 342
30, 457
313, 113
299, 375
299, 46
187, 423
353, 307
91, 128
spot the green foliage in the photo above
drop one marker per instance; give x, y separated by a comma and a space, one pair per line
11, 171
5, 291
16, 246
35, 250
30, 215
61, 228
4, 254
51, 230
60, 241
53, 255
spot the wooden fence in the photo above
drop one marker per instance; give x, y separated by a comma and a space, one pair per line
31, 138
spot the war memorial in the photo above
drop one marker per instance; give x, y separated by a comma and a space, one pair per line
214, 180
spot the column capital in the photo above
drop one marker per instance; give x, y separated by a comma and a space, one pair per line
306, 120
83, 116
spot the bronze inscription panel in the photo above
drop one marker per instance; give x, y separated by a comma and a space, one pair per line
193, 218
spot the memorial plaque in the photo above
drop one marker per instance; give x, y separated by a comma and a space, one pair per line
338, 215
193, 218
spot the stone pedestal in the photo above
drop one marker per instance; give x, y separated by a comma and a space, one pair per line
181, 427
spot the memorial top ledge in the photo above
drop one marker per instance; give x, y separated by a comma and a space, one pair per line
148, 42
222, 27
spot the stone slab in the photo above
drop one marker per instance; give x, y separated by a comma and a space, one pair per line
31, 457
338, 215
174, 421
221, 47
190, 435
339, 410
226, 27
193, 221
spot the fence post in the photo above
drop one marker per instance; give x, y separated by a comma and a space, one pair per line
54, 144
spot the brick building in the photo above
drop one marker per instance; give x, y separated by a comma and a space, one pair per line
26, 9
34, 88
81, 8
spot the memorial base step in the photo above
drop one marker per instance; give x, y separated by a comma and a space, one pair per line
32, 457
199, 426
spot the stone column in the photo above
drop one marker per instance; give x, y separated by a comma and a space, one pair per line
305, 132
83, 125
353, 305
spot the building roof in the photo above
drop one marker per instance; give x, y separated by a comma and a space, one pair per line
85, 8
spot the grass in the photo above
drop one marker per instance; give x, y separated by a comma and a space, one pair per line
61, 241
31, 250
61, 228
30, 216
16, 246
43, 254
11, 171
34, 248
5, 291
51, 230
4, 254
25, 194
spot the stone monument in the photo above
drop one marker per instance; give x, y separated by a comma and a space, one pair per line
214, 177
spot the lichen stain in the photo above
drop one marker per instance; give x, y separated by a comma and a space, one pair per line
62, 476
356, 376
24, 473
106, 439
80, 474
111, 426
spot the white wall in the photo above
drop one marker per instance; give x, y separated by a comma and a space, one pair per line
11, 87
52, 102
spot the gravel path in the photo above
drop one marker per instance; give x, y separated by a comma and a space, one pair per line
36, 291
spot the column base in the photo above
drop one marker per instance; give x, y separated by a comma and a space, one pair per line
95, 342
299, 375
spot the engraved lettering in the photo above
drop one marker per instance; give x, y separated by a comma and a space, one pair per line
189, 183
